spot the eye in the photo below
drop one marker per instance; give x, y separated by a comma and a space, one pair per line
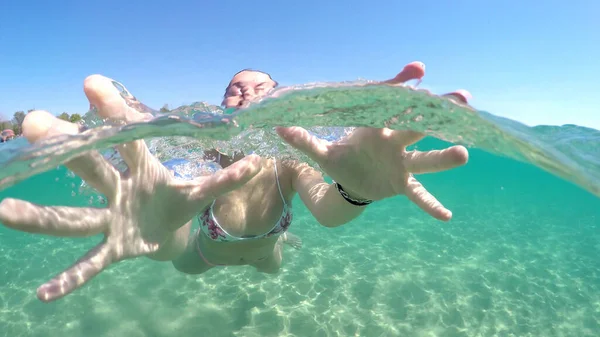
233, 91
262, 87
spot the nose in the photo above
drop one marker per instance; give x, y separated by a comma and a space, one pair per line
248, 92
246, 89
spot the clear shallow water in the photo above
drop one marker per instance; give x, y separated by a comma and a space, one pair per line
518, 258
342, 105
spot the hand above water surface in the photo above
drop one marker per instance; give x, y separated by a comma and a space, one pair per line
146, 205
412, 71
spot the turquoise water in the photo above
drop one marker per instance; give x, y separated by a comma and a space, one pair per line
519, 258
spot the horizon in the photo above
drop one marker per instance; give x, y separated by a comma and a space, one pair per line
530, 63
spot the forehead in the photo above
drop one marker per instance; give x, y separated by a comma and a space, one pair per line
251, 76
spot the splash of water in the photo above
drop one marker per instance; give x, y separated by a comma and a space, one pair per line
328, 110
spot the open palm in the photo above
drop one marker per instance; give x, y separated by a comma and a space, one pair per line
373, 163
146, 204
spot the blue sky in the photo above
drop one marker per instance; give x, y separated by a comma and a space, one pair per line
536, 62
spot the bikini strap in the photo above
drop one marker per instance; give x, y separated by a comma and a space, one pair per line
277, 179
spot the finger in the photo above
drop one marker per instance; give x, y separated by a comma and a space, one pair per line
223, 181
90, 166
95, 171
427, 202
412, 71
463, 96
146, 248
77, 275
302, 140
114, 102
40, 124
436, 161
53, 220
403, 137
137, 156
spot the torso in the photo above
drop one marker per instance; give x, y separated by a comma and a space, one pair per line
252, 210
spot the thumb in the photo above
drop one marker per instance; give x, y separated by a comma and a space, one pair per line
40, 124
302, 140
111, 98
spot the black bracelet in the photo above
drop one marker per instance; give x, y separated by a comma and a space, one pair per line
348, 198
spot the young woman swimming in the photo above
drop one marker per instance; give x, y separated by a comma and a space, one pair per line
244, 209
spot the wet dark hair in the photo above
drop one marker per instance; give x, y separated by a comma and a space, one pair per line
249, 69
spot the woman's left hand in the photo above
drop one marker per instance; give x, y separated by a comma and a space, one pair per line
374, 164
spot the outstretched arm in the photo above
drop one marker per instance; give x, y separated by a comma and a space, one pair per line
148, 211
322, 199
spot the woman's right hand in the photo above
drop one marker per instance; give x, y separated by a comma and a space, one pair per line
146, 205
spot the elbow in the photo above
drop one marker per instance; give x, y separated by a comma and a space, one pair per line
337, 216
331, 222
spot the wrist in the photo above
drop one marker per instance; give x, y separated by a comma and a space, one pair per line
173, 244
352, 197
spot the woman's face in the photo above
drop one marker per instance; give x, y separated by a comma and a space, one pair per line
247, 86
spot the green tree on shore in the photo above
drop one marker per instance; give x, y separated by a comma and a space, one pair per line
5, 125
17, 122
165, 109
74, 118
64, 116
